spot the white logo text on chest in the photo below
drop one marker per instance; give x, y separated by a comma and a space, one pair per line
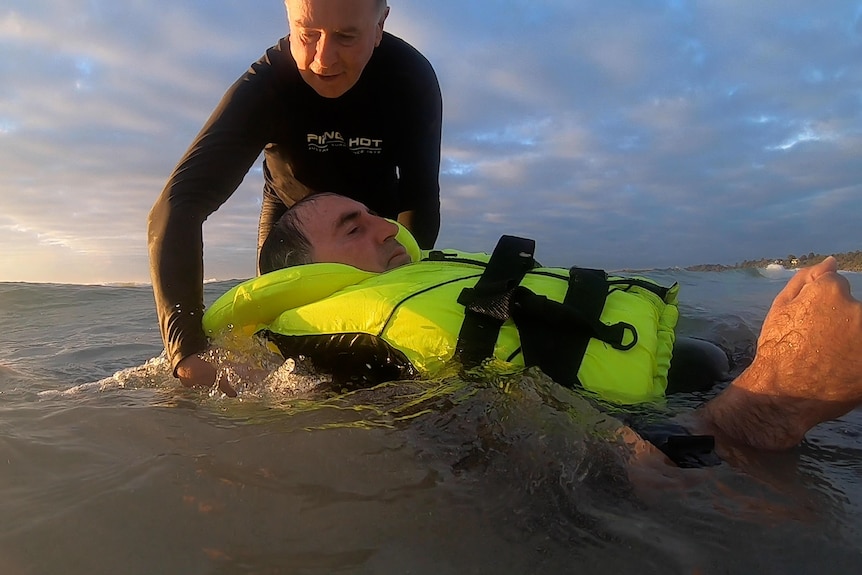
333, 140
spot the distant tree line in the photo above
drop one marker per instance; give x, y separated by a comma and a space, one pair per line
848, 261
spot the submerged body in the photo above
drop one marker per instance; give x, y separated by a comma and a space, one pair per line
814, 321
505, 481
407, 321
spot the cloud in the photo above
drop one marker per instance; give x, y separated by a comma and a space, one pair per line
624, 134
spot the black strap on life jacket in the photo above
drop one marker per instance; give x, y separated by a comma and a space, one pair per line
489, 300
554, 336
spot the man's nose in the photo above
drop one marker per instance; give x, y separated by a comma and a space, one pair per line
386, 229
325, 54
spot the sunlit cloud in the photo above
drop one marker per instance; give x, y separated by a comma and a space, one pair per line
616, 135
806, 134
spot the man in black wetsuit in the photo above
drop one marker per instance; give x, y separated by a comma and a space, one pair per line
337, 106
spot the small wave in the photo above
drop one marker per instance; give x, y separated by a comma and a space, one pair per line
155, 372
769, 272
74, 390
123, 284
775, 272
220, 280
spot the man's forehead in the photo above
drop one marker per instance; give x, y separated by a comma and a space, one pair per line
327, 12
331, 212
336, 203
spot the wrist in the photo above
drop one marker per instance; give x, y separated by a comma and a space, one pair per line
750, 412
194, 371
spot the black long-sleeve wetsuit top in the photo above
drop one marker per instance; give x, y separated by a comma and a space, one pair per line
379, 143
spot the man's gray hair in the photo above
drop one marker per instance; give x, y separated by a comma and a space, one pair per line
381, 6
287, 245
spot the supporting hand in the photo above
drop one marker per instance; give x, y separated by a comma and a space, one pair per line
194, 371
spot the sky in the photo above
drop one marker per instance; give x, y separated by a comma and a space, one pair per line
618, 134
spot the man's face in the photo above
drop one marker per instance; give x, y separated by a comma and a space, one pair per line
341, 230
332, 41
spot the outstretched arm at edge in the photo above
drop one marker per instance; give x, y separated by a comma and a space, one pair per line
807, 368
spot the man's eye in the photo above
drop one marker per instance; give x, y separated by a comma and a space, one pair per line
353, 231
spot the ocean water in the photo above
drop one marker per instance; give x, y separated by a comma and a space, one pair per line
108, 466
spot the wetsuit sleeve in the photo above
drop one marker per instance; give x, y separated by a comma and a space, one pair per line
419, 168
206, 176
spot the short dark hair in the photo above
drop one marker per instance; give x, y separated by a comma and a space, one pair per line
287, 245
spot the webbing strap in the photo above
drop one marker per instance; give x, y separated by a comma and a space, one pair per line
588, 291
489, 300
554, 336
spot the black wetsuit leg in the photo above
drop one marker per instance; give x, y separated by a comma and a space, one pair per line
697, 365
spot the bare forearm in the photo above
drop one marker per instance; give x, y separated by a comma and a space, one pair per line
806, 370
747, 414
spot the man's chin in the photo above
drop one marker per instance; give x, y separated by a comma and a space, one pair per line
327, 86
401, 258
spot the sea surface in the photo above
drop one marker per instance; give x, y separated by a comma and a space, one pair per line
108, 466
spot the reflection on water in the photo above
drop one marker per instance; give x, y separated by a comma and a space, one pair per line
107, 466
133, 475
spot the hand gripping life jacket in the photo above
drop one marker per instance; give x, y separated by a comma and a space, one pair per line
611, 335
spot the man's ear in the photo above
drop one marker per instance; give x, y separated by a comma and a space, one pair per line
379, 30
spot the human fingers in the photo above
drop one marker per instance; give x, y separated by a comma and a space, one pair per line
833, 284
224, 385
828, 265
804, 277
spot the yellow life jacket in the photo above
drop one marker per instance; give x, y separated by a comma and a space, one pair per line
408, 321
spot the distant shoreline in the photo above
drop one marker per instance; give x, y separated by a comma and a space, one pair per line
847, 261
